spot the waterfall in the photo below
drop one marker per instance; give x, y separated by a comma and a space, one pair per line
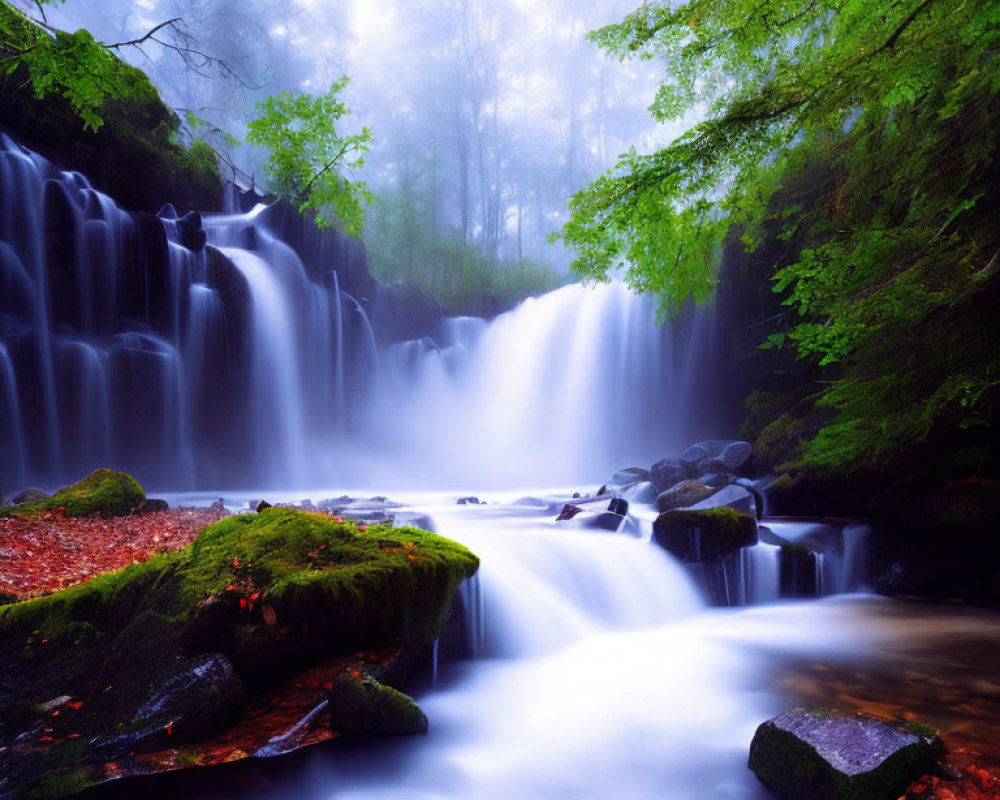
270, 358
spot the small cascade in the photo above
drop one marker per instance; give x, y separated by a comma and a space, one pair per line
125, 342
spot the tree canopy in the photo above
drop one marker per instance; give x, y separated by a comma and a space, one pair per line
889, 109
307, 154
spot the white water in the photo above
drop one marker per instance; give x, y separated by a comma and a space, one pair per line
599, 674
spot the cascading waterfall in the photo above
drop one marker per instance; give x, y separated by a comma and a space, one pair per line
271, 359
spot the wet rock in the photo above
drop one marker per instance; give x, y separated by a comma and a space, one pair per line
798, 572
830, 755
694, 453
668, 472
359, 704
735, 455
630, 475
684, 494
705, 535
732, 496
472, 501
618, 506
608, 521
568, 512
189, 231
26, 496
643, 492
608, 488
715, 479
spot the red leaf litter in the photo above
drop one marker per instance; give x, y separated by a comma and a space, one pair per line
40, 555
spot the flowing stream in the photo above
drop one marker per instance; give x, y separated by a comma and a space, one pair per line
272, 361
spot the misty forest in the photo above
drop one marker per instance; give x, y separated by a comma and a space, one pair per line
499, 399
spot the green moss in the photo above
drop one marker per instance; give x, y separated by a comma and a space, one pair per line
704, 535
363, 705
103, 492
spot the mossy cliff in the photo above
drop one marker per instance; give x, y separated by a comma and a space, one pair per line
170, 650
136, 157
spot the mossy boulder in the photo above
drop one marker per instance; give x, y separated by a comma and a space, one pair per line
251, 602
822, 754
104, 492
359, 704
136, 156
704, 536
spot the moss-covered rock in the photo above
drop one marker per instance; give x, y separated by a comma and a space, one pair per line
136, 157
104, 492
704, 536
683, 494
360, 704
823, 754
270, 594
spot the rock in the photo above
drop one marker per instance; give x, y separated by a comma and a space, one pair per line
668, 472
707, 535
618, 506
830, 755
608, 521
220, 505
735, 454
643, 492
263, 505
359, 704
715, 479
189, 231
695, 452
798, 574
684, 494
568, 512
472, 501
152, 505
630, 475
202, 695
732, 496
26, 496
104, 492
609, 488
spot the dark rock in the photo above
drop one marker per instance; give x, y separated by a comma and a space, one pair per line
360, 705
735, 455
201, 696
684, 494
608, 521
798, 573
263, 504
153, 505
472, 501
668, 472
707, 535
26, 496
732, 496
609, 488
630, 475
831, 755
568, 512
190, 233
715, 479
618, 506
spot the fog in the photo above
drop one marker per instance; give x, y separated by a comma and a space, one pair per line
487, 114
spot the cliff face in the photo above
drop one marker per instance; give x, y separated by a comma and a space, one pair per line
135, 157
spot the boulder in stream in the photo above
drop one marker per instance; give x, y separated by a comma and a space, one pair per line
684, 494
668, 472
822, 754
705, 535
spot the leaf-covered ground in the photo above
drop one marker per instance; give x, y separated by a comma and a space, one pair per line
43, 554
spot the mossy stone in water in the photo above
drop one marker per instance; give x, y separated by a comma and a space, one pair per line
704, 535
104, 492
823, 754
360, 705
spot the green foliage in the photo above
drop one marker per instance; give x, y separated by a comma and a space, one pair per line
890, 109
403, 249
307, 154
